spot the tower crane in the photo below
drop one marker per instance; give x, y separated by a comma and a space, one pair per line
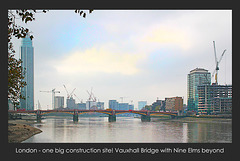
217, 63
77, 97
69, 95
72, 92
53, 96
66, 91
91, 96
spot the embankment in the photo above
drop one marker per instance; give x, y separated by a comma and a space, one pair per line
19, 130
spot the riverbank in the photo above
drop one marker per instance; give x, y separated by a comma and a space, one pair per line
195, 119
20, 130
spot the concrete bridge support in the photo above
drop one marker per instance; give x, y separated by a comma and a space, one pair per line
173, 117
111, 118
75, 116
145, 118
38, 116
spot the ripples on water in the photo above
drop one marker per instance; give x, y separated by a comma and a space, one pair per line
131, 130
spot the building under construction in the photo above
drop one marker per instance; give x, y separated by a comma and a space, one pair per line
214, 99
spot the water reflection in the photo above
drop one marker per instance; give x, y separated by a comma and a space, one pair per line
127, 130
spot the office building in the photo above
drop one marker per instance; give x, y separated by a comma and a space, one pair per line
141, 104
113, 104
100, 105
131, 107
214, 99
71, 103
174, 104
123, 106
27, 64
195, 78
158, 105
81, 106
91, 105
58, 102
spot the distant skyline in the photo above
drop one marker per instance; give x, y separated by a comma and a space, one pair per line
141, 55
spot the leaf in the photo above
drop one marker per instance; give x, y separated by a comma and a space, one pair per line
81, 13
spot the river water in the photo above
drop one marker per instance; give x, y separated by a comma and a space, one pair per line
132, 130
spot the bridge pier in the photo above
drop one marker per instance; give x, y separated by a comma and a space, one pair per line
75, 116
111, 118
173, 117
145, 118
38, 116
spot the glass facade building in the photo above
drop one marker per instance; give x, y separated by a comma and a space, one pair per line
195, 78
113, 104
58, 102
27, 57
123, 106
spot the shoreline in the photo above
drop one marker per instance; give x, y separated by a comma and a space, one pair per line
20, 130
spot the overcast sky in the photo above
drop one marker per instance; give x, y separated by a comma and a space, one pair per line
136, 54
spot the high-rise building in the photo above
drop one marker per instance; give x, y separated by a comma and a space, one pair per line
141, 104
70, 103
214, 99
59, 102
195, 78
113, 104
27, 58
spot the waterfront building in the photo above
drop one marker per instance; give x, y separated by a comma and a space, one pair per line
71, 103
27, 58
113, 104
174, 104
100, 105
91, 105
141, 104
131, 107
160, 103
214, 99
195, 78
58, 102
81, 106
123, 106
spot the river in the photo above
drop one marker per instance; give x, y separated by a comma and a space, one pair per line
132, 130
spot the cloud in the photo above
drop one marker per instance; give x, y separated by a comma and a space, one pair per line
165, 35
99, 59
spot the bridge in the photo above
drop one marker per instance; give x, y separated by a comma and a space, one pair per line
145, 115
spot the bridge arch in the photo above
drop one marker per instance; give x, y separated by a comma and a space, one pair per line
135, 112
44, 113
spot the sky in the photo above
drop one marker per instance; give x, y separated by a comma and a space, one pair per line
141, 55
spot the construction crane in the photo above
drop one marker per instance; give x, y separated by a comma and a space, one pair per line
53, 96
69, 95
217, 63
66, 91
91, 96
72, 92
77, 97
